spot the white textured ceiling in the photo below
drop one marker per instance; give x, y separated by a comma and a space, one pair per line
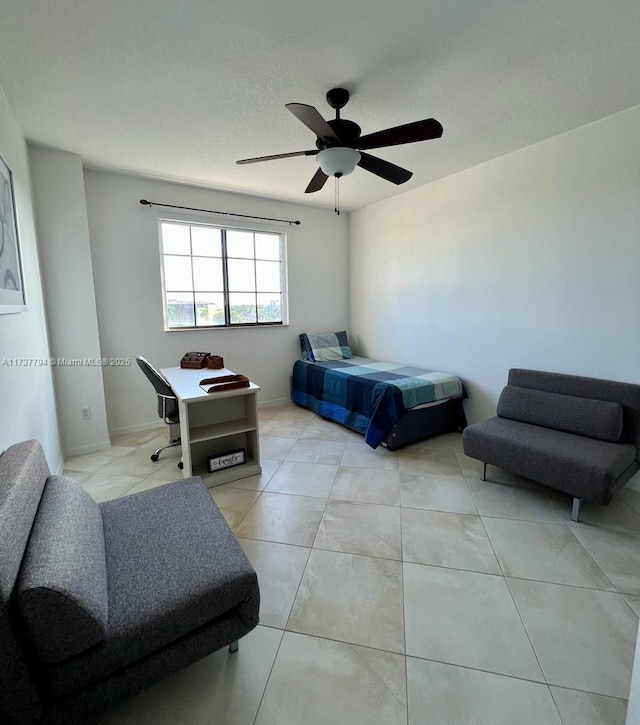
181, 89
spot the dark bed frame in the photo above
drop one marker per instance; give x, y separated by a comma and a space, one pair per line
418, 425
422, 423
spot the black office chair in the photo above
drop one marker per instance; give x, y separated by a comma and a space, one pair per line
167, 405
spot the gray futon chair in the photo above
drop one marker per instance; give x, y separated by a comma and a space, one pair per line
575, 434
99, 601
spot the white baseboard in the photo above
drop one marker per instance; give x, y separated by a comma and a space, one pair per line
90, 448
157, 423
59, 466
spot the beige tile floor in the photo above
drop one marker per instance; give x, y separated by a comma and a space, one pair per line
399, 588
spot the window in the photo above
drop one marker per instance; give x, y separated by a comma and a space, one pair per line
220, 277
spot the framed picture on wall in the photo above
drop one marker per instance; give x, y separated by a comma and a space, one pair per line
12, 298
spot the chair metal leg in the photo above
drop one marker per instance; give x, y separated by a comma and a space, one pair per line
156, 454
233, 647
483, 475
575, 510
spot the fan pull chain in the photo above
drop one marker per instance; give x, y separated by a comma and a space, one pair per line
336, 205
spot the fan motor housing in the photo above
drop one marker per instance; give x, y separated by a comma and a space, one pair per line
347, 131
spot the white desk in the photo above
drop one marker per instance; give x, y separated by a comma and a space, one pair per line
215, 423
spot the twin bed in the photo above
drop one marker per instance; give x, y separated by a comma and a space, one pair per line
390, 404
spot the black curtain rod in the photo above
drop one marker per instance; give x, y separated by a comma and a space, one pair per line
144, 202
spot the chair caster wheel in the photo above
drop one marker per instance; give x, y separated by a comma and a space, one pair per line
181, 465
155, 457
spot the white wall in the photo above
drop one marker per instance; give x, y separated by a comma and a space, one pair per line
65, 254
633, 711
530, 260
27, 402
126, 262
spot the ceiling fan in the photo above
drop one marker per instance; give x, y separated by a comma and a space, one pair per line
339, 145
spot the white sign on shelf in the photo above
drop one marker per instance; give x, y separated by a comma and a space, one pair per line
226, 460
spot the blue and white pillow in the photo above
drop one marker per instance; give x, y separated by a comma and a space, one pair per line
325, 346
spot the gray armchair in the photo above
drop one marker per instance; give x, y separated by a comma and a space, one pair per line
99, 601
575, 434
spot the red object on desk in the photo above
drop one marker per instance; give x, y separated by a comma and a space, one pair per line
215, 362
225, 382
194, 360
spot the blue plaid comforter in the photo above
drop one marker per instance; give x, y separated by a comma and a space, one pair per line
366, 395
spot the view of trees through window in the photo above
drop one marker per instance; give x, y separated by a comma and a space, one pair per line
217, 277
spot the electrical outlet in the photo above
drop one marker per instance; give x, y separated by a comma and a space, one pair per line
86, 413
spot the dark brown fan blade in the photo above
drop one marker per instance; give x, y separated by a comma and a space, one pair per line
409, 133
312, 120
384, 169
278, 156
318, 181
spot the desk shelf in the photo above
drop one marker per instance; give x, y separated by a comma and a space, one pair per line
220, 430
251, 467
200, 451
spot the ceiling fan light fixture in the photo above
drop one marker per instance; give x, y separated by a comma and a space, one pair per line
337, 140
338, 160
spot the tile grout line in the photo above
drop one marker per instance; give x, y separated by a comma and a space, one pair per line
583, 547
535, 654
548, 581
306, 566
553, 699
446, 663
235, 528
504, 579
526, 631
266, 682
404, 614
273, 664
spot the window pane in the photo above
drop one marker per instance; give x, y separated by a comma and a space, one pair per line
267, 246
242, 308
206, 241
268, 276
177, 273
241, 275
175, 238
240, 244
207, 274
209, 309
180, 309
215, 277
269, 308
